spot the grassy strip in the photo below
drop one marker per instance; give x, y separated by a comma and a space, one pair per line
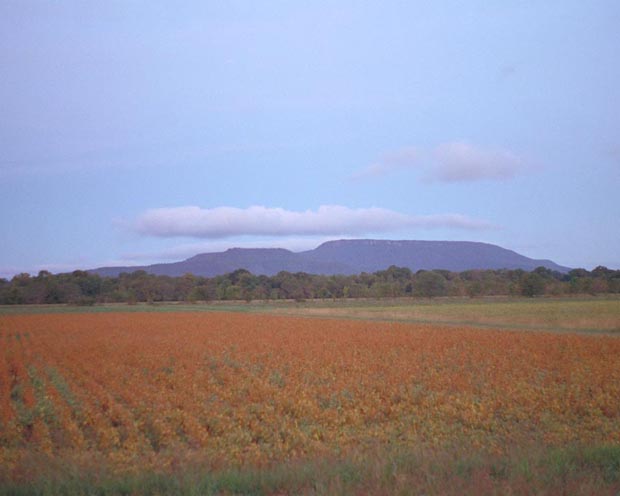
572, 470
44, 408
587, 314
370, 304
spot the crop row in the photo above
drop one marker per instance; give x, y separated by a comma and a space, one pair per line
142, 391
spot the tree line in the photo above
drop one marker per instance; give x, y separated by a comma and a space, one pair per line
83, 288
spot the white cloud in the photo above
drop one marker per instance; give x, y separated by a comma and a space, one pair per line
327, 220
460, 161
457, 161
403, 158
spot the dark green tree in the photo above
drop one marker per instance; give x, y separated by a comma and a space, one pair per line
429, 284
532, 284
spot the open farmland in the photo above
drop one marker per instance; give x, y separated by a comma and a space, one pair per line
118, 395
582, 314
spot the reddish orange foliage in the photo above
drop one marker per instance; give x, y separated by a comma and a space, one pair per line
154, 389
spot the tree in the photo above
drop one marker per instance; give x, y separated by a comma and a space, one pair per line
429, 284
532, 284
22, 279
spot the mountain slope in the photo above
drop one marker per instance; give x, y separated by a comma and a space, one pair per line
372, 255
348, 257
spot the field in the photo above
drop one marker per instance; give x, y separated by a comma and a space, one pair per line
590, 314
177, 400
577, 314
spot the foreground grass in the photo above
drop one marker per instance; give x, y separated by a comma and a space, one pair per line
583, 314
575, 470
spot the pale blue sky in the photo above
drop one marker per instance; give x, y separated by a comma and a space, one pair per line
288, 123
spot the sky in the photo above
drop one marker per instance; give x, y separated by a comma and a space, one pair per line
134, 132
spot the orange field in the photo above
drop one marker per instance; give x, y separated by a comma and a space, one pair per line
137, 391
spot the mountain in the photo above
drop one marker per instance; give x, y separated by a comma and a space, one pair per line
351, 256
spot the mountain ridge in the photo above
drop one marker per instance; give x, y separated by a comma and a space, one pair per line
347, 257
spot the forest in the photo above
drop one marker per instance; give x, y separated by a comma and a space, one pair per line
83, 288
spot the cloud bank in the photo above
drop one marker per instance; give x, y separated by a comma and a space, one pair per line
225, 222
453, 162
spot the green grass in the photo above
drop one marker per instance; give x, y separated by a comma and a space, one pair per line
572, 470
117, 307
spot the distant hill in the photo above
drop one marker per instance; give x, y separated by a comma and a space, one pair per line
347, 257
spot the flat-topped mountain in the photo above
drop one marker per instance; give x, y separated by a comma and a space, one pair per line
351, 256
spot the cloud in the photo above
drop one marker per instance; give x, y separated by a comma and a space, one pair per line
461, 161
403, 158
226, 222
452, 162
